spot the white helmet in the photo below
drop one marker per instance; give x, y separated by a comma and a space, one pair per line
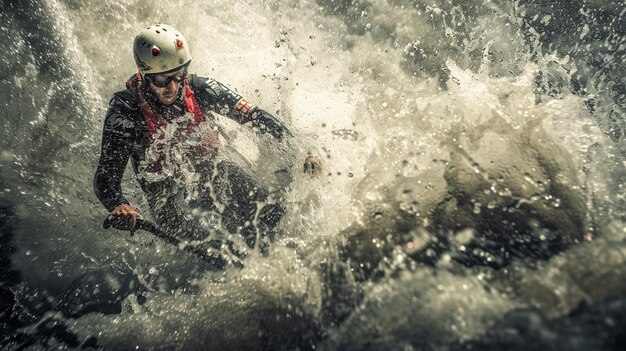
160, 48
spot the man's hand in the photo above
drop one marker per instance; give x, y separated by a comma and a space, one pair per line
312, 165
128, 212
266, 123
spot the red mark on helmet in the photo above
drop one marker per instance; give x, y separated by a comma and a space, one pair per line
156, 51
179, 43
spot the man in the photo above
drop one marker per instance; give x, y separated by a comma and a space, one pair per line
163, 123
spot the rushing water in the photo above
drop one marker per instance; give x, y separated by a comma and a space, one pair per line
471, 198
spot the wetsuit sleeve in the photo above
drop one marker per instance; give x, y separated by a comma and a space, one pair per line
115, 151
232, 105
266, 123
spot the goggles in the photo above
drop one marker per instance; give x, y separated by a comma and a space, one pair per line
161, 80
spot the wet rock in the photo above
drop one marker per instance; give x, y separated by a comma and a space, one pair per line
20, 311
340, 292
98, 290
368, 244
590, 327
504, 193
516, 190
9, 278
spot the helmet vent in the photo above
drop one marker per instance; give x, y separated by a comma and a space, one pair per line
161, 48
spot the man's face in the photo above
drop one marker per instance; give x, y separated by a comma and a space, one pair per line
166, 85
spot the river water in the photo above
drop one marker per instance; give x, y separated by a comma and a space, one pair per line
471, 196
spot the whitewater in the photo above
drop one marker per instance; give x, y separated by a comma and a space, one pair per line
471, 196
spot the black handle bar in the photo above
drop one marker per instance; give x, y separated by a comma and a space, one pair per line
215, 259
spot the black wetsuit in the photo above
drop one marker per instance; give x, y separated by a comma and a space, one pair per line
126, 136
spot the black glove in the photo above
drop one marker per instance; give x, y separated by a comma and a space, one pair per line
266, 123
125, 223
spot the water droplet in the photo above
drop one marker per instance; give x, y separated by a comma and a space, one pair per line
528, 178
378, 216
464, 237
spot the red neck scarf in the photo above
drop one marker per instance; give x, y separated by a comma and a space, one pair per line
153, 122
210, 146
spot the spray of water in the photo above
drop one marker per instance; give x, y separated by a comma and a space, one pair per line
472, 167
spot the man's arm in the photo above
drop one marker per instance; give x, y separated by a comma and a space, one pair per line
232, 105
266, 123
114, 155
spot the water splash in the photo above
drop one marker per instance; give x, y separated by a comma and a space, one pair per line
492, 118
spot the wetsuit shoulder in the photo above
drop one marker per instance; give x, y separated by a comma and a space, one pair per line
217, 97
123, 113
124, 101
209, 87
221, 99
